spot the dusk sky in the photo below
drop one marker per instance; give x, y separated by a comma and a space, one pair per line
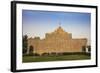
37, 23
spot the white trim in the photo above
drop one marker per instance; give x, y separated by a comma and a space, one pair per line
36, 65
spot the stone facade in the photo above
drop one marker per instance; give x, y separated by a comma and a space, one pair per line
58, 41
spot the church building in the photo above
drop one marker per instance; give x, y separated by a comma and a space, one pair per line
58, 41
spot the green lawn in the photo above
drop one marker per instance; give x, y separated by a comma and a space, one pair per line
54, 58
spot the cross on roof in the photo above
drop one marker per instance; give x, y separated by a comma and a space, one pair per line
59, 23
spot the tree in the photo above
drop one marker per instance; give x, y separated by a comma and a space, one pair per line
31, 49
89, 48
25, 43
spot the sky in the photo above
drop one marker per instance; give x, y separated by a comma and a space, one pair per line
37, 23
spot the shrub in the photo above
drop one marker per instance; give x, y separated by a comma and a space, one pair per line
76, 53
31, 54
53, 53
36, 54
45, 54
59, 53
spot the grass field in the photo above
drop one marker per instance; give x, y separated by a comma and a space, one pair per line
27, 59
